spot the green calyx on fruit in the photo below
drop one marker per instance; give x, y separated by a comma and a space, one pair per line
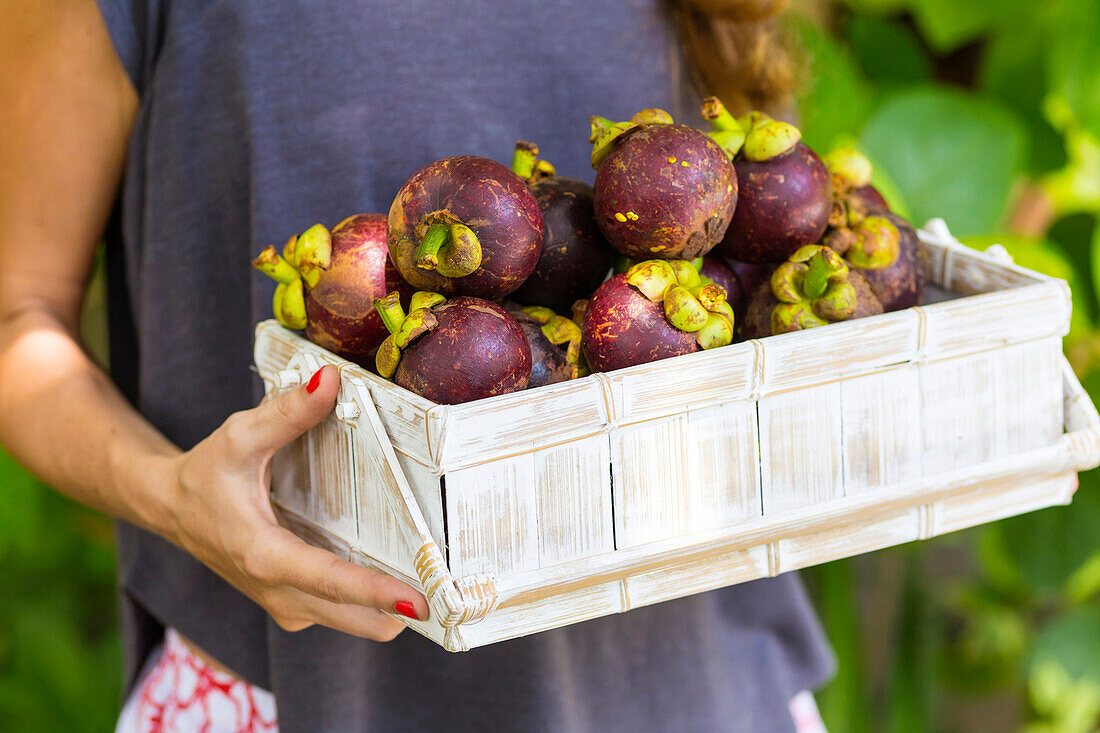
450, 248
289, 304
305, 258
652, 278
313, 253
289, 249
559, 331
651, 116
812, 289
527, 164
876, 245
848, 168
605, 132
691, 303
729, 135
769, 139
403, 328
686, 274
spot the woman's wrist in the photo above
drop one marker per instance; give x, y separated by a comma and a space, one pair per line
149, 479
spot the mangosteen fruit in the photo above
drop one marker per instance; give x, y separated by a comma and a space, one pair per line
575, 257
886, 251
880, 244
465, 226
814, 287
555, 343
783, 200
654, 310
328, 283
452, 351
850, 174
662, 190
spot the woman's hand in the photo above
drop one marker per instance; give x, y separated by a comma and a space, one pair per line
223, 517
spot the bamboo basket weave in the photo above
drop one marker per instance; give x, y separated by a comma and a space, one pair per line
534, 510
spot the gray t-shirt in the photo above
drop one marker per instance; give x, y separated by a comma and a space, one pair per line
262, 117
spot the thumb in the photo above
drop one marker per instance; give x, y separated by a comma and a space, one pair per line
278, 421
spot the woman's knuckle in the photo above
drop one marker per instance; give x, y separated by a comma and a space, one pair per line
329, 589
236, 431
257, 565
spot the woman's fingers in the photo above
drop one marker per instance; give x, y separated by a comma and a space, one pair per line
288, 561
304, 610
275, 422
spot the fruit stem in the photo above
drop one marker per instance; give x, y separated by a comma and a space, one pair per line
427, 253
451, 249
271, 264
817, 277
390, 311
524, 159
719, 116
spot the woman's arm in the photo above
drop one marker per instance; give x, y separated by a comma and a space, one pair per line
67, 111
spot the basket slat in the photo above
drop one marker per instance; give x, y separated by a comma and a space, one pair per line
510, 424
573, 486
993, 320
842, 350
492, 517
649, 481
801, 444
883, 444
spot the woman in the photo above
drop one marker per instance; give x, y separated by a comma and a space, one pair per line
192, 134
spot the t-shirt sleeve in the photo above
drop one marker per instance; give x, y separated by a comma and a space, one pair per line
127, 26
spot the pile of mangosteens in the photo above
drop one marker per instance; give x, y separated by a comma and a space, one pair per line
484, 279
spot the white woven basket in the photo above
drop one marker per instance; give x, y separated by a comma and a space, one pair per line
539, 509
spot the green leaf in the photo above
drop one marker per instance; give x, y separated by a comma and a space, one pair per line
948, 24
1013, 70
953, 155
876, 7
911, 703
835, 100
887, 50
1073, 64
1073, 641
1075, 237
1050, 545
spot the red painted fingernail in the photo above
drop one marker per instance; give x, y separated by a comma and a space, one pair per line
406, 609
314, 381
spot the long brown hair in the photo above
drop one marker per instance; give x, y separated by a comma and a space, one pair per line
736, 51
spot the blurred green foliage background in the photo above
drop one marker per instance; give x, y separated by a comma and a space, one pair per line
984, 113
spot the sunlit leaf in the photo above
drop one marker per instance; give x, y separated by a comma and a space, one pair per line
952, 155
1073, 64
